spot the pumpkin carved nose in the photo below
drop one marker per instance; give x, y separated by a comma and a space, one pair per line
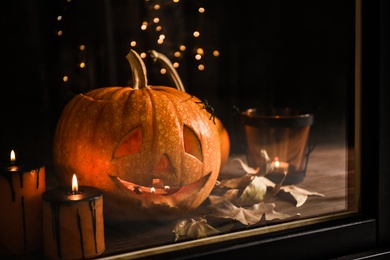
164, 165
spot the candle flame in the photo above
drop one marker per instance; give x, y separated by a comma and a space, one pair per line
13, 157
277, 163
75, 186
152, 190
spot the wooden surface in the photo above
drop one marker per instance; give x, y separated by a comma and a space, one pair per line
327, 174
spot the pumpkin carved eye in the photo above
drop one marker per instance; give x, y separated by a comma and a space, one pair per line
192, 144
130, 143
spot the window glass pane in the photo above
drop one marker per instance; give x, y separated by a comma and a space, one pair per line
277, 79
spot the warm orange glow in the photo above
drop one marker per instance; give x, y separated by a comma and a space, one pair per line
75, 186
144, 26
280, 166
152, 190
13, 158
277, 163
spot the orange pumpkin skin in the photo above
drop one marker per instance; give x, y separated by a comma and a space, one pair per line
224, 140
178, 84
153, 136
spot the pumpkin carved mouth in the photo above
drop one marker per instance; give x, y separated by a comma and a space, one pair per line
158, 188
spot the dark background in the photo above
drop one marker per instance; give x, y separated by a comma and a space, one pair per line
314, 43
272, 53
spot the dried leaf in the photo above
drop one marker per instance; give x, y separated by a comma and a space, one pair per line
253, 193
268, 210
232, 195
245, 167
269, 166
215, 199
247, 216
277, 186
193, 228
267, 181
226, 209
299, 194
235, 183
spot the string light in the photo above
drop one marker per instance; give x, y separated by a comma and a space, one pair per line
156, 26
173, 43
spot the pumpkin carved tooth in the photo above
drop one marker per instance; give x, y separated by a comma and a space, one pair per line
139, 189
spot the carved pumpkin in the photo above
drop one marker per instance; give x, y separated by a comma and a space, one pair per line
177, 83
152, 150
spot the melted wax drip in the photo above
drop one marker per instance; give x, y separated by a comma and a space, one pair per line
21, 179
9, 179
55, 207
24, 224
55, 224
37, 186
81, 233
93, 215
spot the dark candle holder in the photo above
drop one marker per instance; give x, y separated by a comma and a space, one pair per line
282, 133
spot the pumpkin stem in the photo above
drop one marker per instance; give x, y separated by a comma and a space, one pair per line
138, 69
167, 64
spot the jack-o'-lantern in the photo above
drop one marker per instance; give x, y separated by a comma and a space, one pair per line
153, 150
177, 83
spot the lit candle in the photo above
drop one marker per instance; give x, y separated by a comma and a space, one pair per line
21, 188
73, 222
280, 167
